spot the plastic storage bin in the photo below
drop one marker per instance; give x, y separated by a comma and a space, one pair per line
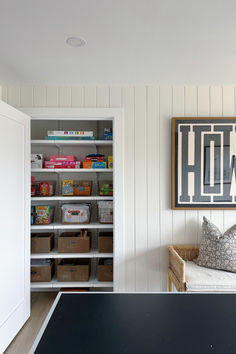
75, 213
105, 212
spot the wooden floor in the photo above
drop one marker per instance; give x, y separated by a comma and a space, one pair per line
40, 305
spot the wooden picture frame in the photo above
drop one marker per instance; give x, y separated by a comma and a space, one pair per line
203, 163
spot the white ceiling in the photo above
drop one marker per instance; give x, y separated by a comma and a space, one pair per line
128, 41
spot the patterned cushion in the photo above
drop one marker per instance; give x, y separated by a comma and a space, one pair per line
217, 251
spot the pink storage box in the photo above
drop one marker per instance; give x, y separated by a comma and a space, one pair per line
62, 158
62, 164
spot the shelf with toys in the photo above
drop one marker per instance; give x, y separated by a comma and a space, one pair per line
72, 191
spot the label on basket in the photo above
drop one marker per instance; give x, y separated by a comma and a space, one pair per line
75, 212
79, 213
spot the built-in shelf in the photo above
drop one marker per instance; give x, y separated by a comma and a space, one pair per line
53, 198
61, 143
58, 226
102, 284
49, 119
55, 255
92, 283
71, 170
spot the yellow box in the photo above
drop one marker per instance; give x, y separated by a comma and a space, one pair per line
110, 161
67, 187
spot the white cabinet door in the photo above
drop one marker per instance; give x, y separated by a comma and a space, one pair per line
14, 222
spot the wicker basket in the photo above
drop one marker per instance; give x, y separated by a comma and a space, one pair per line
177, 254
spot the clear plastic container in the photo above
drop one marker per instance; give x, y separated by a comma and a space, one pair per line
75, 213
105, 212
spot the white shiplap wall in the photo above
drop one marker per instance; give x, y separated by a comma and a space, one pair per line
150, 223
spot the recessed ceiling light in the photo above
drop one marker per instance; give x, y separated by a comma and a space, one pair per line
75, 42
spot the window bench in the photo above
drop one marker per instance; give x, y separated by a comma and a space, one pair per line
189, 277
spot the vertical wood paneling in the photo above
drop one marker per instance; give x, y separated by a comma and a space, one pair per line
165, 179
191, 228
203, 111
216, 110
129, 177
52, 97
179, 216
150, 224
153, 193
65, 96
90, 97
26, 96
103, 97
4, 93
140, 189
13, 96
77, 96
228, 111
228, 101
39, 96
115, 97
203, 101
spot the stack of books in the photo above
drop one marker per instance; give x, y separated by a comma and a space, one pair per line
70, 135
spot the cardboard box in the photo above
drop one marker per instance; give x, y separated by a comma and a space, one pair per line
110, 161
70, 133
46, 188
105, 272
36, 161
99, 164
107, 135
72, 270
32, 216
94, 157
94, 164
62, 158
87, 164
105, 242
72, 242
62, 164
42, 273
42, 242
67, 187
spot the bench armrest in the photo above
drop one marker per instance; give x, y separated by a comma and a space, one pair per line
176, 264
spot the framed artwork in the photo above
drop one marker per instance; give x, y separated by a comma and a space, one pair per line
204, 163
